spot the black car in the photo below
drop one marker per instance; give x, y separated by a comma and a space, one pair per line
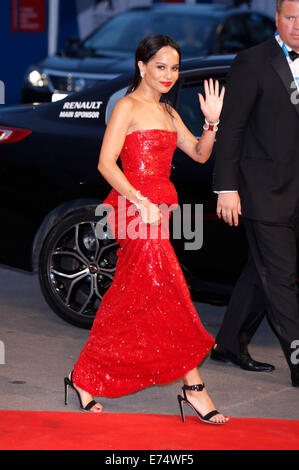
200, 29
51, 188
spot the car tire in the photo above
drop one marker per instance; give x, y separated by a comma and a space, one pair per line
76, 267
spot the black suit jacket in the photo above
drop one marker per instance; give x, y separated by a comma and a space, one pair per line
257, 147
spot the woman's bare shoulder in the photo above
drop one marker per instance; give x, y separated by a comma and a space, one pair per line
173, 113
123, 109
170, 109
126, 103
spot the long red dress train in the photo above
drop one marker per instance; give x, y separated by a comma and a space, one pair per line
146, 330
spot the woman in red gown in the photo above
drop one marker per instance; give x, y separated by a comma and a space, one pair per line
146, 330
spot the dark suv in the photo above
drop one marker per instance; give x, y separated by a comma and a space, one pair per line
200, 29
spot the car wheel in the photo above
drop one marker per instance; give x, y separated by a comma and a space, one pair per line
76, 268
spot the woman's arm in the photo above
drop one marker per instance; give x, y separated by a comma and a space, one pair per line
113, 142
200, 150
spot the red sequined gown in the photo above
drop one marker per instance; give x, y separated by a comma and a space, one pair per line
146, 330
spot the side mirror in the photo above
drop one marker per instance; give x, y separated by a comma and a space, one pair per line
72, 43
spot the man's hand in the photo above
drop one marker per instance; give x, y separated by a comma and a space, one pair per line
229, 207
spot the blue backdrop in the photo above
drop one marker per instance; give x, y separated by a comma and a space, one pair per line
18, 51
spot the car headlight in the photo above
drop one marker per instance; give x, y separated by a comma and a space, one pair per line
37, 78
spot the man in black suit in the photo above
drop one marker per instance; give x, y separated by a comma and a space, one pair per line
257, 175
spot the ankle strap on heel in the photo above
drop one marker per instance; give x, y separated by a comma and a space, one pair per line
196, 388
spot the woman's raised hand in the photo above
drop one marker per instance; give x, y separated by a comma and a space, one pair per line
211, 105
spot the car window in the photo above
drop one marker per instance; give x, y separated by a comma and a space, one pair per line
232, 36
189, 107
259, 28
125, 31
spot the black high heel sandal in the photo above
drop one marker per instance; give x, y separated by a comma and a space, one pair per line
69, 383
184, 399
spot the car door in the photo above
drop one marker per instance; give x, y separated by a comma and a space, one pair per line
193, 180
224, 250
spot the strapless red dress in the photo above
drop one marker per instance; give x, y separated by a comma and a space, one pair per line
146, 330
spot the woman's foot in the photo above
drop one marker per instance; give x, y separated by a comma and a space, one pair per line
86, 398
202, 402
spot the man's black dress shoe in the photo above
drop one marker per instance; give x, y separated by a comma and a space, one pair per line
244, 361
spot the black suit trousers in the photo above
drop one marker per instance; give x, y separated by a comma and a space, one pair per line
267, 284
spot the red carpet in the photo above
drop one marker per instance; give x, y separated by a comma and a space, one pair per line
32, 430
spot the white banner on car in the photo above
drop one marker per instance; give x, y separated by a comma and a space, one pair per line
81, 109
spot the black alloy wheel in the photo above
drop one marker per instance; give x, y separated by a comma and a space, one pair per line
76, 268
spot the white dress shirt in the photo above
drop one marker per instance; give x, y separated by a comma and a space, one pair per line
294, 64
